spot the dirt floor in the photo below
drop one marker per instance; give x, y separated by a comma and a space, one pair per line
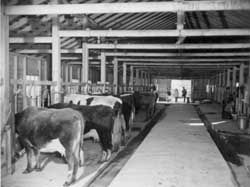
55, 170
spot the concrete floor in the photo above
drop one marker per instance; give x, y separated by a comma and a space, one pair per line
178, 152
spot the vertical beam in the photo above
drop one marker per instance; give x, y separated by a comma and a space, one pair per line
4, 84
15, 85
70, 73
124, 75
39, 88
241, 81
228, 78
25, 103
137, 77
234, 78
224, 78
85, 63
131, 76
180, 24
115, 75
220, 85
103, 68
56, 59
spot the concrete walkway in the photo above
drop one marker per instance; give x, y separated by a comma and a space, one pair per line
178, 152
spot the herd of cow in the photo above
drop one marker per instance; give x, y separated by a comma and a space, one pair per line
106, 119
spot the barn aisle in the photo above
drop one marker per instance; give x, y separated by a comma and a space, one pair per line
178, 152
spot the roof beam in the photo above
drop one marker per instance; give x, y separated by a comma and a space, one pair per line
184, 60
30, 39
135, 54
170, 46
154, 33
171, 64
128, 7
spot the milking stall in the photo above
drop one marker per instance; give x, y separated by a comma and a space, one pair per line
115, 93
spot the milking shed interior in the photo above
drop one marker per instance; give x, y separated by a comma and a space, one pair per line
78, 46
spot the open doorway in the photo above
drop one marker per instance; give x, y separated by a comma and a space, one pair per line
179, 85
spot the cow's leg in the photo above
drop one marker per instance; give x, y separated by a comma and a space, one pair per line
106, 142
29, 160
71, 165
38, 163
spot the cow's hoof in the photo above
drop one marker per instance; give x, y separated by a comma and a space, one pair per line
115, 148
108, 155
67, 183
38, 168
28, 170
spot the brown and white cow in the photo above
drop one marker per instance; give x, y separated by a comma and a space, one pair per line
37, 127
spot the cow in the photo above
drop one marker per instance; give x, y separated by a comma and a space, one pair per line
37, 127
100, 118
119, 131
147, 101
128, 109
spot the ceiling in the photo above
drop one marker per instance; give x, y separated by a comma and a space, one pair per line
172, 55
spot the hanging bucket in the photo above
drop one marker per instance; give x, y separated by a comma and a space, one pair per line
243, 122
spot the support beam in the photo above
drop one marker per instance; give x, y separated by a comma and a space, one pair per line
234, 78
124, 75
170, 46
184, 60
228, 83
131, 82
37, 39
103, 68
180, 24
241, 80
138, 54
99, 8
85, 62
56, 59
115, 75
155, 33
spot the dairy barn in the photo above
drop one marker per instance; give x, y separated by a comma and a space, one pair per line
117, 93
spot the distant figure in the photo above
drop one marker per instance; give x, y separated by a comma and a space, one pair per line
184, 93
176, 94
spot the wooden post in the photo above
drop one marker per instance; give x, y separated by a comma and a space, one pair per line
137, 76
124, 76
66, 72
241, 83
85, 63
56, 59
248, 87
15, 85
131, 82
115, 75
4, 87
234, 78
25, 102
228, 84
103, 70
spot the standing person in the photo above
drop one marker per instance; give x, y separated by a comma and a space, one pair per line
184, 93
176, 94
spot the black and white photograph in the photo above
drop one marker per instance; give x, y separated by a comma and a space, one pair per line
125, 93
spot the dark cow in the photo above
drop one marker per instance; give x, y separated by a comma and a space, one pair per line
37, 127
99, 117
119, 131
146, 101
128, 109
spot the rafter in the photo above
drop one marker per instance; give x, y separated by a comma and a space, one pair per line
128, 7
